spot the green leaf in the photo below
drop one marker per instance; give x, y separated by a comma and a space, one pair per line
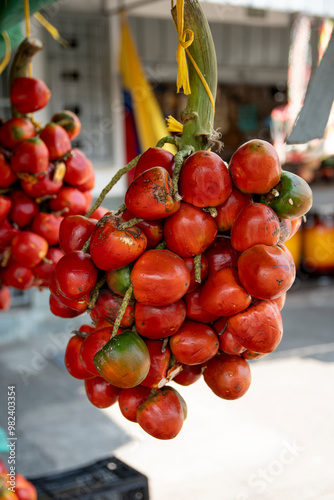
11, 17
12, 11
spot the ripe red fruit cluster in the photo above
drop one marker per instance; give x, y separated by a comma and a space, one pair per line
15, 486
42, 180
182, 289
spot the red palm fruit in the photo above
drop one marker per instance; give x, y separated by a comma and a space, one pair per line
266, 272
228, 211
44, 269
204, 180
253, 355
23, 209
99, 213
89, 199
5, 298
129, 401
5, 206
74, 231
150, 195
18, 276
29, 248
29, 94
124, 361
89, 183
259, 328
189, 262
37, 187
229, 377
159, 278
7, 176
118, 280
61, 310
194, 343
157, 375
155, 157
112, 247
78, 168
93, 344
56, 140
156, 322
72, 360
75, 274
223, 295
221, 254
103, 323
227, 342
107, 307
79, 305
69, 121
47, 225
24, 489
100, 393
255, 224
195, 310
153, 229
255, 167
7, 233
16, 130
280, 301
189, 231
69, 200
161, 415
188, 375
85, 328
30, 156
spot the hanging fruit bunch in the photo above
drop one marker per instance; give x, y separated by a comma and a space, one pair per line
15, 487
188, 277
42, 180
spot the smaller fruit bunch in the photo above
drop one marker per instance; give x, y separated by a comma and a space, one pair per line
43, 178
186, 279
15, 486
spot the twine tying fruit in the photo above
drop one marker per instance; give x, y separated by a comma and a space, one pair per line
182, 80
6, 59
186, 38
27, 21
51, 29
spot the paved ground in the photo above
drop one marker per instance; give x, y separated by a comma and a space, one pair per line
275, 443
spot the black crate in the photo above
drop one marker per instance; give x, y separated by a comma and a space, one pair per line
108, 479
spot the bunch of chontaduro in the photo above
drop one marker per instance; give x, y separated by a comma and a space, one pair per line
186, 279
42, 179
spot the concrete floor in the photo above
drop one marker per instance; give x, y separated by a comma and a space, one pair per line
275, 443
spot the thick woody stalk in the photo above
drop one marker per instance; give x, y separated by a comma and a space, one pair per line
198, 117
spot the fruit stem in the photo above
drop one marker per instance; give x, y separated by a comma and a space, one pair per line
198, 116
198, 267
20, 65
79, 333
120, 209
95, 292
161, 246
120, 314
212, 211
164, 344
114, 180
129, 223
85, 248
178, 159
166, 140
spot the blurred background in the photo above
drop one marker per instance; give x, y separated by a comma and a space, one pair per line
276, 442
